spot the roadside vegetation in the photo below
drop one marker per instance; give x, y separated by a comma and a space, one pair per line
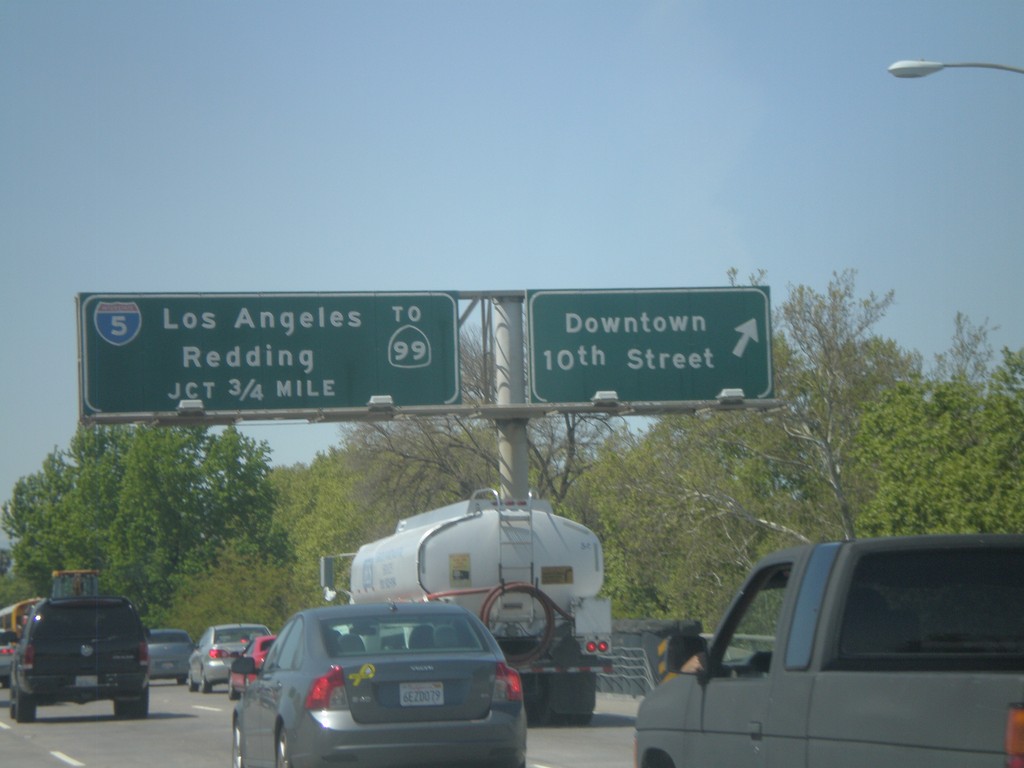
197, 528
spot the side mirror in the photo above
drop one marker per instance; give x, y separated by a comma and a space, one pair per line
244, 665
681, 647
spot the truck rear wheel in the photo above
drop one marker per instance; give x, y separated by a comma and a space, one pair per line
24, 708
135, 709
560, 699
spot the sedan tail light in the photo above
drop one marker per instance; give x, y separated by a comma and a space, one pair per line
508, 685
328, 691
1015, 737
219, 653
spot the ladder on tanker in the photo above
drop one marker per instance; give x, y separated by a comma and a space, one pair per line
515, 537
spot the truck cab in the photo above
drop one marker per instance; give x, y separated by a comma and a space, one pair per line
886, 652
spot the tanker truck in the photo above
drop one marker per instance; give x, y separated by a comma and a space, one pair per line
531, 576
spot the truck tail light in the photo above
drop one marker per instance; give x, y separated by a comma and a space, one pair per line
328, 691
143, 654
598, 646
508, 685
1015, 737
29, 659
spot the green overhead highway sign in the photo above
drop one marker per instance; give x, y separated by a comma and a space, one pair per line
262, 355
659, 345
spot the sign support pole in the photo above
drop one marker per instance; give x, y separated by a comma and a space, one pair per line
510, 385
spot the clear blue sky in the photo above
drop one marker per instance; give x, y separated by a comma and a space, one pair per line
439, 145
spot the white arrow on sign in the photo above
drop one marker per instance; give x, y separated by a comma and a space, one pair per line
747, 331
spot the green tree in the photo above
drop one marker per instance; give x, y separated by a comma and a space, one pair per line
60, 517
947, 455
241, 587
685, 508
145, 506
14, 589
833, 366
319, 511
188, 494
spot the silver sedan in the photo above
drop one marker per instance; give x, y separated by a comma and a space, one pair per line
218, 646
419, 684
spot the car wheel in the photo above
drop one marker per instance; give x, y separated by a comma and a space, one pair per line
182, 679
237, 751
193, 686
233, 693
23, 708
281, 759
207, 685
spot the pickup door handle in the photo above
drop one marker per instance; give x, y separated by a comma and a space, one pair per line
754, 729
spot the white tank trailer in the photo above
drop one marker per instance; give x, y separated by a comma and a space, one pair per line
530, 575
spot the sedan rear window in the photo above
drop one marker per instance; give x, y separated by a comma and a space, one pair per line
239, 634
400, 635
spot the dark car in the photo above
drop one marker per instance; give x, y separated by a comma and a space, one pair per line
81, 649
421, 684
210, 661
169, 651
258, 648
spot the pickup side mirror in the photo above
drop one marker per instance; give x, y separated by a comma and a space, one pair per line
683, 647
679, 647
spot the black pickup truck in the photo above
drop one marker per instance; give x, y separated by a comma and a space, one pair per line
81, 649
883, 652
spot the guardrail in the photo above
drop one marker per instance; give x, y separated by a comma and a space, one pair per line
632, 673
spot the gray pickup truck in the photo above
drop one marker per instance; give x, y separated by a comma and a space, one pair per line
877, 652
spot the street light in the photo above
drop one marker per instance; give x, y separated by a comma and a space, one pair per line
925, 68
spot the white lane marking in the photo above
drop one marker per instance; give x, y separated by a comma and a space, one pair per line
4, 726
69, 760
207, 709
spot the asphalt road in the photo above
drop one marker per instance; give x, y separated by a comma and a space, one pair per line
193, 730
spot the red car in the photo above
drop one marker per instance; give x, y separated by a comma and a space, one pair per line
257, 648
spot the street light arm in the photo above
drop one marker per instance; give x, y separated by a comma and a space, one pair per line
983, 65
925, 68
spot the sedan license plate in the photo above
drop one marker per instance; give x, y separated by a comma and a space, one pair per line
86, 681
421, 694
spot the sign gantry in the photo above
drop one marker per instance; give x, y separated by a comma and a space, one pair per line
214, 358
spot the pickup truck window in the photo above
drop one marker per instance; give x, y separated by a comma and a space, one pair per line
750, 643
935, 609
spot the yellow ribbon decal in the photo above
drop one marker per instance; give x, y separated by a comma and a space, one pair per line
366, 672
